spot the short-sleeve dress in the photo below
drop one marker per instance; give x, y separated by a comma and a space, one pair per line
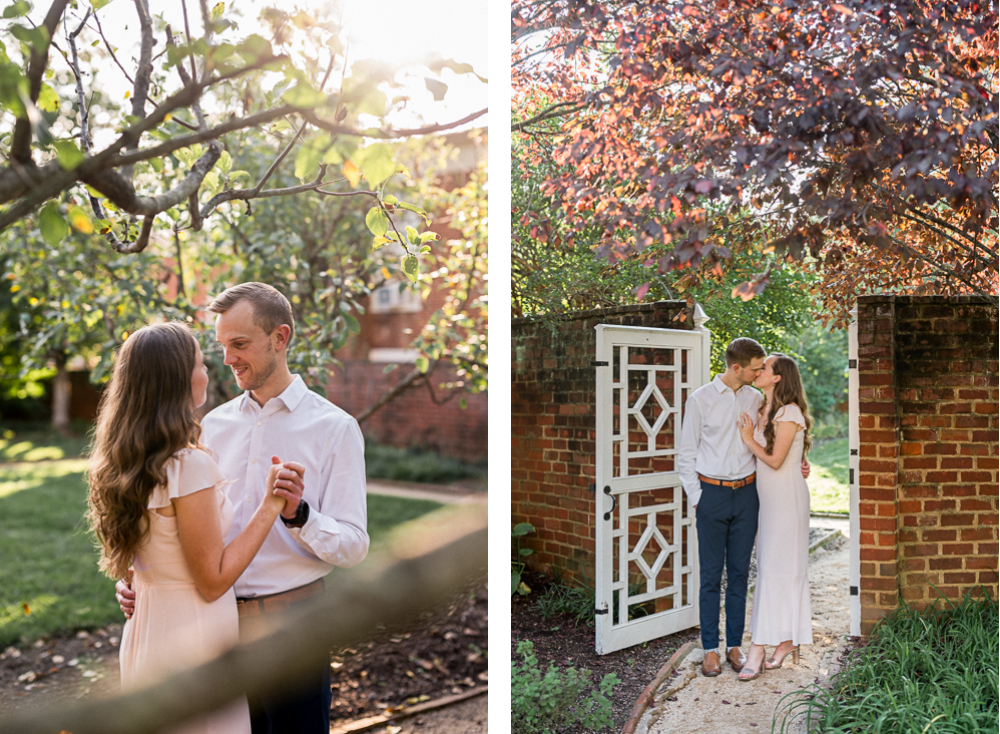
781, 609
173, 626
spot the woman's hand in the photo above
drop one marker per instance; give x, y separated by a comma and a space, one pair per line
745, 423
272, 500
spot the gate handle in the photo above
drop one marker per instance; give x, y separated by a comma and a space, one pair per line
614, 502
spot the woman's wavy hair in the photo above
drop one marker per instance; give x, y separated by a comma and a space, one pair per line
787, 390
146, 415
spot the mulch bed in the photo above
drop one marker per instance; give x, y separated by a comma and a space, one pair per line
563, 642
443, 653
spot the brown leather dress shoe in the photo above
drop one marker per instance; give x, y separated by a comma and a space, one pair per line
711, 666
736, 658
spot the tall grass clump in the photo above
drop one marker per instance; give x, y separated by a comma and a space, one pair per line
928, 672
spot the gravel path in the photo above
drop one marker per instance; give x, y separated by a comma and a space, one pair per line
691, 703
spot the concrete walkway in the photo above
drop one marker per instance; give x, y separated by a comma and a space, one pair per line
446, 494
691, 703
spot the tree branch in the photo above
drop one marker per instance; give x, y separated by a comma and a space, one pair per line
400, 387
140, 89
390, 133
248, 194
547, 114
20, 146
422, 569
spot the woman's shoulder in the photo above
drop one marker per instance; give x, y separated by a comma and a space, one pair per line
790, 412
191, 470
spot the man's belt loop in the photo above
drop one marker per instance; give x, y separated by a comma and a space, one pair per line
272, 603
736, 484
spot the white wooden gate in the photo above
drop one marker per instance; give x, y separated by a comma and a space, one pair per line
647, 545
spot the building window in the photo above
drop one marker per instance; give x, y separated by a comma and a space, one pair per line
394, 297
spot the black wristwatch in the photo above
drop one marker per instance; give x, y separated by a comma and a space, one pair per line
301, 515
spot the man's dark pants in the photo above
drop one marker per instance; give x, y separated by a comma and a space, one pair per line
306, 711
727, 528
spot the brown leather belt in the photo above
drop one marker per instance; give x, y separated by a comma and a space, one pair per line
734, 484
277, 602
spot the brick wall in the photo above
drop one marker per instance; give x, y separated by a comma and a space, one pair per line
412, 419
553, 425
928, 378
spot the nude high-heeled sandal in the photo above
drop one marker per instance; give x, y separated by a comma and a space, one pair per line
773, 664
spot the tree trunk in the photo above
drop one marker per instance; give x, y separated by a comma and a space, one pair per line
61, 392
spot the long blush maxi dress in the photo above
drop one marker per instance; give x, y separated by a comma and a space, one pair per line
173, 626
781, 608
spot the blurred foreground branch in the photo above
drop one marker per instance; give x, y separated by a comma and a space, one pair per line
429, 559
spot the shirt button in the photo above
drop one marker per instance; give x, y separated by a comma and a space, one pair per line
253, 461
259, 423
248, 500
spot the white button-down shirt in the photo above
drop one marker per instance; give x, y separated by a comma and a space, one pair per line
297, 425
710, 437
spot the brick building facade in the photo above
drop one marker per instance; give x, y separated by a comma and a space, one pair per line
928, 396
553, 429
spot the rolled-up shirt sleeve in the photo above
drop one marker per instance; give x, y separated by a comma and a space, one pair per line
337, 530
687, 453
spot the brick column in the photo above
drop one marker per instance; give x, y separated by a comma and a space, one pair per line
928, 459
878, 466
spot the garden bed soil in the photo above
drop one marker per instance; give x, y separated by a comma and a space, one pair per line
565, 643
443, 653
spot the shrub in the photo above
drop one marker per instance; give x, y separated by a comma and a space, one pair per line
544, 703
929, 671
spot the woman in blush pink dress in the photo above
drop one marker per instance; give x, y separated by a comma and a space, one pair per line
156, 503
781, 615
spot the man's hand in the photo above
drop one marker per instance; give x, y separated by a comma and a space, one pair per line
125, 596
805, 469
290, 484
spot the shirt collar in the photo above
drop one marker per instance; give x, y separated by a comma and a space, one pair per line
721, 386
290, 397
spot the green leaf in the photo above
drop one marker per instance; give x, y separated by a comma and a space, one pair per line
415, 209
68, 154
255, 48
436, 88
217, 10
390, 200
422, 364
98, 4
52, 223
333, 157
515, 581
304, 96
411, 234
522, 528
37, 38
225, 160
16, 10
377, 164
377, 221
352, 323
310, 155
411, 267
525, 552
48, 100
437, 63
157, 164
238, 175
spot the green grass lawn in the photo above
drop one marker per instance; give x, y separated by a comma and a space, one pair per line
49, 580
828, 487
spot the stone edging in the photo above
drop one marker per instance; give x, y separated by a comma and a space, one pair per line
825, 541
646, 697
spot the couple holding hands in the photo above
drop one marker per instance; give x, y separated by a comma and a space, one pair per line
187, 513
741, 464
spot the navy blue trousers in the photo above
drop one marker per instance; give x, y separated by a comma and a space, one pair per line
306, 711
727, 528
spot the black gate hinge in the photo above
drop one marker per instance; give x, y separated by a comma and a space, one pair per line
598, 363
852, 364
600, 611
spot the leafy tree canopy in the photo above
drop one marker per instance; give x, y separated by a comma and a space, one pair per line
862, 134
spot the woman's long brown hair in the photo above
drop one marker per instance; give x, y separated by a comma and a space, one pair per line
146, 415
787, 390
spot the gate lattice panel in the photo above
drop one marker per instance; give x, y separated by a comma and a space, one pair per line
647, 553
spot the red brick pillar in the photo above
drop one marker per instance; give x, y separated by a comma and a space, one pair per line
878, 465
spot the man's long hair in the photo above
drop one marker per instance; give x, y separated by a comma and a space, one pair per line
787, 390
146, 415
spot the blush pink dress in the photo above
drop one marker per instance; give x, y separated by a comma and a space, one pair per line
173, 626
781, 609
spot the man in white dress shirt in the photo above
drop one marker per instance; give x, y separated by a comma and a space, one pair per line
718, 474
324, 524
